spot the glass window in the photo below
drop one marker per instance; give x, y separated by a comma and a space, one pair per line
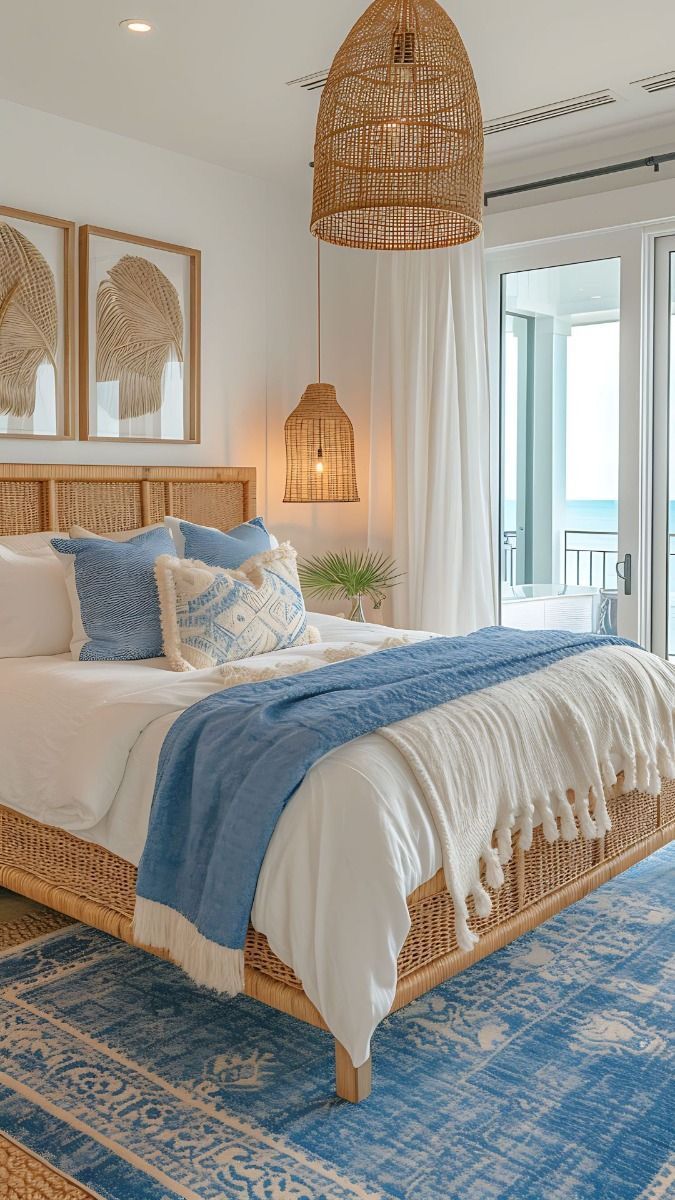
560, 446
671, 472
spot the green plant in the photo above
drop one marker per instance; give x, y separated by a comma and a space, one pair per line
351, 573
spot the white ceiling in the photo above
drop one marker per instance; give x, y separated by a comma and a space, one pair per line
578, 291
210, 80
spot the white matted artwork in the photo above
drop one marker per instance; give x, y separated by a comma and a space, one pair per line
139, 338
37, 276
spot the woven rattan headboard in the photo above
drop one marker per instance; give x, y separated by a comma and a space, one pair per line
34, 497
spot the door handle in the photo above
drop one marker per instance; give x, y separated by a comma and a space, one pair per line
624, 570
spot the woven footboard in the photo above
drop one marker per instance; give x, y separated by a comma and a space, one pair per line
94, 886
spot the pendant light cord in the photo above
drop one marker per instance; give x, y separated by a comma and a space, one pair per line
318, 301
318, 340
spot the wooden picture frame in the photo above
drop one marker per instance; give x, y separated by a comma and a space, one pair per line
62, 266
94, 273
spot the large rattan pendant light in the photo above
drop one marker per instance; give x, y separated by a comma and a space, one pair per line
320, 459
398, 160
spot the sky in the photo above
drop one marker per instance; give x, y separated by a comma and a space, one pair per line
592, 459
593, 412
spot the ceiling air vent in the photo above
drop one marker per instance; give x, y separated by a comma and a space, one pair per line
310, 83
656, 83
549, 112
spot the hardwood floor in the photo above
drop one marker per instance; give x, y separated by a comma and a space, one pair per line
12, 907
24, 1177
22, 920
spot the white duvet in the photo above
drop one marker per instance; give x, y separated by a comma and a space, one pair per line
374, 819
79, 744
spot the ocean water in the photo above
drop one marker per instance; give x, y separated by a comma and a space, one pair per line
596, 516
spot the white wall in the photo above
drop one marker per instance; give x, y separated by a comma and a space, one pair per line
258, 302
558, 216
259, 293
69, 170
348, 297
348, 282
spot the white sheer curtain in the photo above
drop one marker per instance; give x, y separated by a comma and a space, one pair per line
430, 438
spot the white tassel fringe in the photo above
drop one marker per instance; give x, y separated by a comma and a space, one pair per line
209, 964
486, 764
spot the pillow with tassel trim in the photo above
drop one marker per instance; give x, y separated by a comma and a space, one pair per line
212, 616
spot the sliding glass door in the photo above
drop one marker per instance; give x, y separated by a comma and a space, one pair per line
663, 554
567, 319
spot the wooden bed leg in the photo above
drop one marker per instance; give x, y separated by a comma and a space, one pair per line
352, 1083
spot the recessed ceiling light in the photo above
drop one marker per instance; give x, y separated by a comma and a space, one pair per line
136, 25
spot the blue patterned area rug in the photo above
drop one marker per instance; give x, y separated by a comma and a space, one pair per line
543, 1073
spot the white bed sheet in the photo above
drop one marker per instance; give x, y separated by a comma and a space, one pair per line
79, 745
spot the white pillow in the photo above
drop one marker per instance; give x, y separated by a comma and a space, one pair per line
212, 616
30, 543
35, 613
78, 531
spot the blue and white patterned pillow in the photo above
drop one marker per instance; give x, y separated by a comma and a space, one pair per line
113, 595
218, 549
212, 616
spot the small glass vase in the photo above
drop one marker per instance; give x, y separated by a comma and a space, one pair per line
357, 613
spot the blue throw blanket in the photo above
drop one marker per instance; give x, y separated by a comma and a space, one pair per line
231, 762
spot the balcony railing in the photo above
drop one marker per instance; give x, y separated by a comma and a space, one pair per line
590, 558
587, 563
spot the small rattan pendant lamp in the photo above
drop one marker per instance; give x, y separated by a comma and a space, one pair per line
398, 159
320, 459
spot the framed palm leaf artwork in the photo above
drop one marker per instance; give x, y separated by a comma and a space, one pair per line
139, 338
37, 287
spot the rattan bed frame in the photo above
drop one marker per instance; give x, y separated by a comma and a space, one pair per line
92, 885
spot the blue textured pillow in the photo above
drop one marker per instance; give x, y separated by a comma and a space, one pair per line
217, 549
113, 595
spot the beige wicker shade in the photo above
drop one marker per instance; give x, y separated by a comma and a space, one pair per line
320, 460
398, 160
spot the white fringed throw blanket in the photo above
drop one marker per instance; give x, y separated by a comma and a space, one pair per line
539, 749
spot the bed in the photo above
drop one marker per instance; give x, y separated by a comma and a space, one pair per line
89, 882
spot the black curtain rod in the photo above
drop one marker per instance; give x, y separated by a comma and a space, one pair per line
653, 160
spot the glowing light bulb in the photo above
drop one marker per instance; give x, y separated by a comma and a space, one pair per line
136, 25
319, 462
